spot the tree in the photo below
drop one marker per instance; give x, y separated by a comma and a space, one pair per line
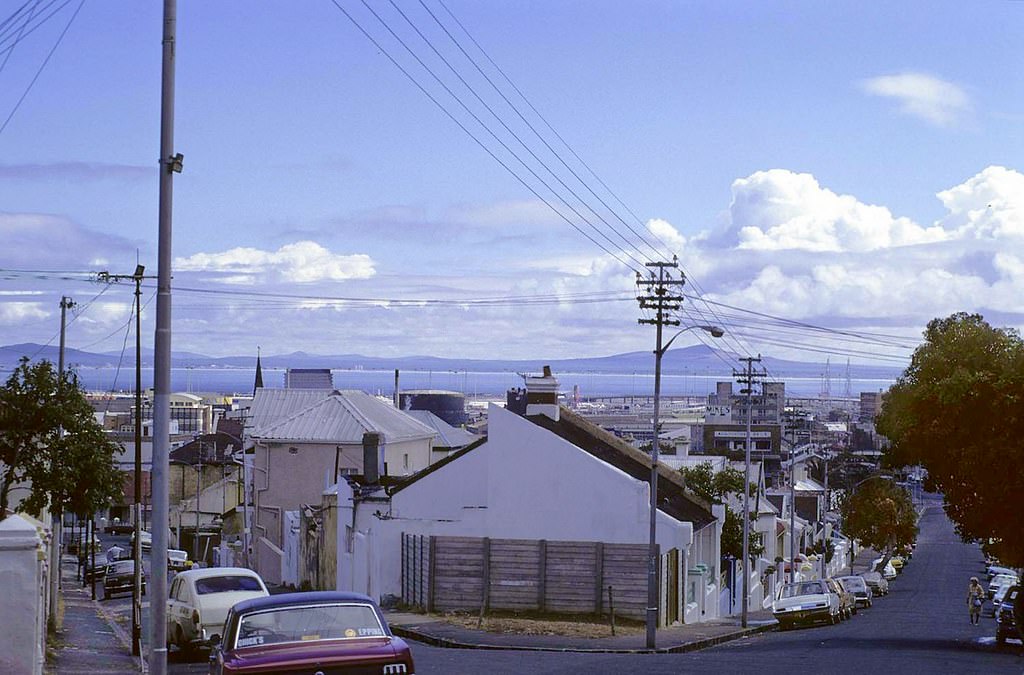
50, 439
958, 411
881, 515
717, 487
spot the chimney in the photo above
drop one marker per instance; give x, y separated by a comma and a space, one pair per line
542, 395
397, 406
371, 458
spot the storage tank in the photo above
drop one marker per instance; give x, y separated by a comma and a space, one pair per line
448, 405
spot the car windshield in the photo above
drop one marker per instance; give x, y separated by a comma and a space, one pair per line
227, 583
308, 623
805, 588
853, 583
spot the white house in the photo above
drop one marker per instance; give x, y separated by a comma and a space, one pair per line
546, 475
299, 441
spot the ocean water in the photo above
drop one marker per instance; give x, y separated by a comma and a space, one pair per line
490, 384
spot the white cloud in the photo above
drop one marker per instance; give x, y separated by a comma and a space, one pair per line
301, 262
938, 102
778, 209
15, 313
988, 205
665, 232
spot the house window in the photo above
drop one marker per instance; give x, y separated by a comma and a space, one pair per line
405, 461
293, 450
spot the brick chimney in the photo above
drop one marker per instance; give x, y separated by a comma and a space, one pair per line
542, 395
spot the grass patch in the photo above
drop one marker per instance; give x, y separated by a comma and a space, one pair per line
542, 623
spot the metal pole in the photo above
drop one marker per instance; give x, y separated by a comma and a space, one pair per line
137, 547
824, 526
792, 518
66, 303
746, 494
652, 563
169, 163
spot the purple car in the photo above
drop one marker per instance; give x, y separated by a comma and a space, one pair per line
328, 632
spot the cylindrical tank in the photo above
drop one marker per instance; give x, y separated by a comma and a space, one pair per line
448, 405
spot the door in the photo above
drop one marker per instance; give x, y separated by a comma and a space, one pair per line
673, 581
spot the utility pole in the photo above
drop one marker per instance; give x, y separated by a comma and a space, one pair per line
170, 163
137, 506
66, 303
658, 298
747, 378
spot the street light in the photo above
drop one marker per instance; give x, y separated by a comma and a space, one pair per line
652, 564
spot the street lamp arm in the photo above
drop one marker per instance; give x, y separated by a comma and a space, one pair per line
713, 331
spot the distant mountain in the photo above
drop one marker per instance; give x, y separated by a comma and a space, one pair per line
696, 360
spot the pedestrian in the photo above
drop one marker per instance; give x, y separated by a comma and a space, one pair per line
975, 599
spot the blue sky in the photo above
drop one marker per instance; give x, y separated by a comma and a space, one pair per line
841, 165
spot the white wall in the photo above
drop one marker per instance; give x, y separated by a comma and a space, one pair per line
524, 483
23, 610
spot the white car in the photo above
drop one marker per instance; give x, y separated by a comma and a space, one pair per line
993, 570
805, 601
177, 560
1000, 580
200, 599
888, 572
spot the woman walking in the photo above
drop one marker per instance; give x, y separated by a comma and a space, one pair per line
975, 599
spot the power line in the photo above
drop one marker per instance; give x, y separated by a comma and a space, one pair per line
437, 103
60, 38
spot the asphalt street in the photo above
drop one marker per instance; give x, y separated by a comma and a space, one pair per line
920, 627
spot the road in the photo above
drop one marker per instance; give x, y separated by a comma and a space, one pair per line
920, 627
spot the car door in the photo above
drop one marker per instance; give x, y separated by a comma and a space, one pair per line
184, 606
172, 614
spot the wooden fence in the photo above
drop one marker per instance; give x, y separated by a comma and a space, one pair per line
472, 573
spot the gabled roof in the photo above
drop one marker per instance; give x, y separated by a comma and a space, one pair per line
447, 435
673, 497
270, 406
343, 417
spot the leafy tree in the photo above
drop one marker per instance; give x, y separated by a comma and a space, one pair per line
958, 411
881, 515
716, 487
50, 439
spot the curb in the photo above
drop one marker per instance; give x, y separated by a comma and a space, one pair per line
693, 646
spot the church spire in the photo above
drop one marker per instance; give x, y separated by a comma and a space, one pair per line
259, 373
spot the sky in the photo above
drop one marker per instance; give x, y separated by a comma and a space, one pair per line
831, 176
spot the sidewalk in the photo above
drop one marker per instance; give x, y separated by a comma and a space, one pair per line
90, 640
674, 639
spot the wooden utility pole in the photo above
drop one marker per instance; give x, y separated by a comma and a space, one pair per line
747, 378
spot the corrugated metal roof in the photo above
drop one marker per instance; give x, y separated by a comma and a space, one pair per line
343, 417
447, 435
270, 406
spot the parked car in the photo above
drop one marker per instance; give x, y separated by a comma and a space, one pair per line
95, 573
806, 601
876, 582
120, 578
1000, 593
847, 603
999, 569
326, 631
888, 572
1001, 580
177, 560
1005, 625
859, 588
200, 599
898, 562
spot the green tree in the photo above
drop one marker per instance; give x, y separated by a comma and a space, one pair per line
717, 487
881, 515
958, 411
50, 439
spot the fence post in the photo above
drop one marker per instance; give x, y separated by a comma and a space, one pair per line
405, 571
598, 576
542, 580
432, 567
611, 609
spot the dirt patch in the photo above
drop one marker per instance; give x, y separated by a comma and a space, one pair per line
515, 624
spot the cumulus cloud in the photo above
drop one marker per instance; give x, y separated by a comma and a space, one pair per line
299, 262
988, 205
778, 209
936, 101
666, 232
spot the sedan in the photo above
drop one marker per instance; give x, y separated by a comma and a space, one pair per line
120, 578
806, 601
876, 582
1005, 625
859, 588
328, 631
200, 599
